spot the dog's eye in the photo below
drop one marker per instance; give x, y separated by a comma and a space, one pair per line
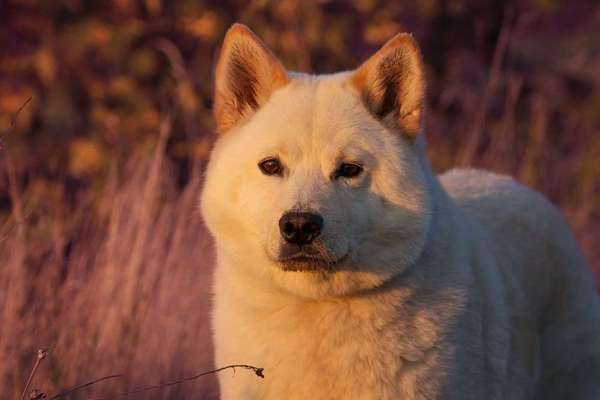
349, 170
270, 166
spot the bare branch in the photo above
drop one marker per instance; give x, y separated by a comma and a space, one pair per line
258, 371
84, 385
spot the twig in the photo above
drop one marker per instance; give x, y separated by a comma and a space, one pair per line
495, 75
258, 371
84, 385
41, 354
182, 76
13, 121
13, 184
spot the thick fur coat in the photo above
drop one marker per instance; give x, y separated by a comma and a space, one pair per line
462, 286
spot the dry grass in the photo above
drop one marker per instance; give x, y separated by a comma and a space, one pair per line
121, 292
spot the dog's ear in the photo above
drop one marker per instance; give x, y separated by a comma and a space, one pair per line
392, 84
246, 75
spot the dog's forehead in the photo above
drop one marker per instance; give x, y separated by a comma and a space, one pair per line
315, 112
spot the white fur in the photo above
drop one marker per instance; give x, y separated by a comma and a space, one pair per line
467, 286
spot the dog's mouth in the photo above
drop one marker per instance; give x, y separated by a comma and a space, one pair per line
305, 261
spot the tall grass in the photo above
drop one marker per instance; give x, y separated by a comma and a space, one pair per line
124, 290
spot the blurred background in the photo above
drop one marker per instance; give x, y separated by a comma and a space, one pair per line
103, 256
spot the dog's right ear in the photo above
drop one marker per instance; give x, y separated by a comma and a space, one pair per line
392, 84
247, 73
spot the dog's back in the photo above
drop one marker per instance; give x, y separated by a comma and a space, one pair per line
553, 308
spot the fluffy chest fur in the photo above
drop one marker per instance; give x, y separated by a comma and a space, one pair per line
379, 346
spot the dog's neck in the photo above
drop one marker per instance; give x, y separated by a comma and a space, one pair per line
395, 306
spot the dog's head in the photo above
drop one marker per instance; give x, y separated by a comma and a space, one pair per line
317, 183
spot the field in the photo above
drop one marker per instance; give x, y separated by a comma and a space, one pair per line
103, 256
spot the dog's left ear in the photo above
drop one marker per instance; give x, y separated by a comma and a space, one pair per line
392, 84
247, 74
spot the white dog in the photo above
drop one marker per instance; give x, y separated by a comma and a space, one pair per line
348, 270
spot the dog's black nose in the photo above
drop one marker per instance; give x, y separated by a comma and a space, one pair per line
300, 227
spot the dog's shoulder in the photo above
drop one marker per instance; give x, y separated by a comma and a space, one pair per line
527, 234
517, 217
500, 203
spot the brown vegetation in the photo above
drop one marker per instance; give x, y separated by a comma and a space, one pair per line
103, 257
